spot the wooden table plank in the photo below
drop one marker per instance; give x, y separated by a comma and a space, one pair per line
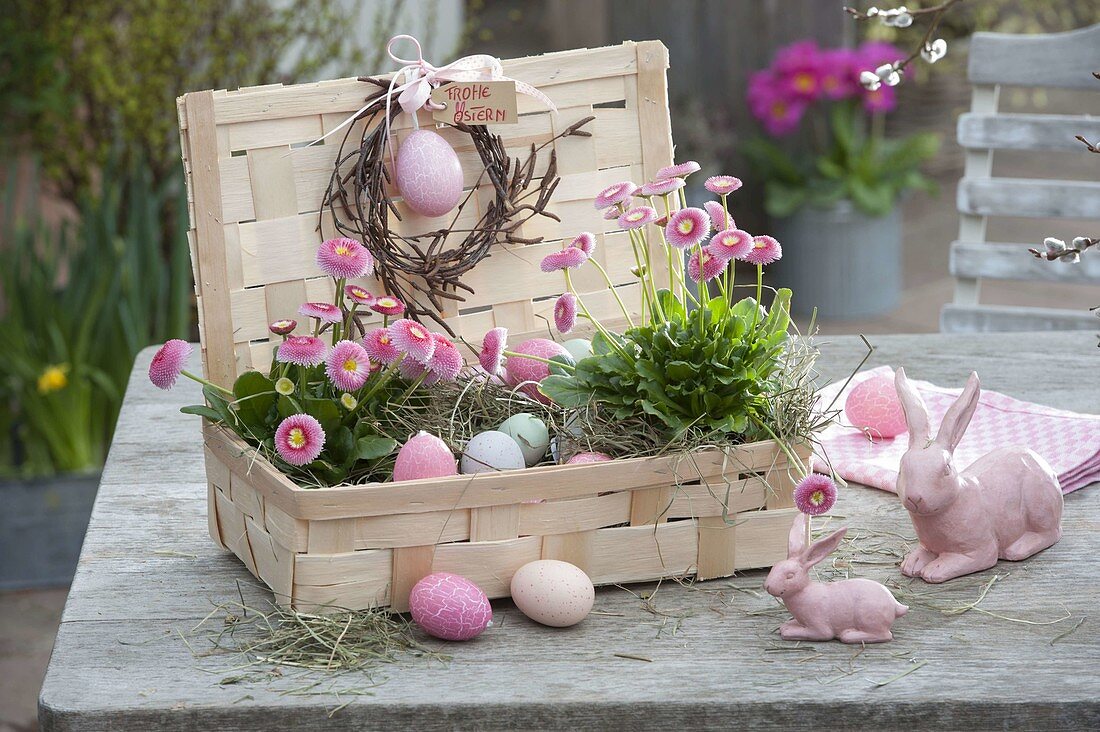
118, 664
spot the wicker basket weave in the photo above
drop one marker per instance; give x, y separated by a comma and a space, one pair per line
255, 192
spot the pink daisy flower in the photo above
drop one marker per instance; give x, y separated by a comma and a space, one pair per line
565, 312
347, 366
387, 305
299, 439
168, 363
661, 187
680, 170
815, 494
379, 346
637, 217
358, 295
687, 227
323, 311
411, 370
765, 250
344, 259
301, 350
413, 339
722, 185
611, 214
705, 265
447, 361
491, 357
615, 194
718, 215
585, 241
731, 244
283, 327
568, 258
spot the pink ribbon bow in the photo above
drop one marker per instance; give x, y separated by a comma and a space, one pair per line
421, 77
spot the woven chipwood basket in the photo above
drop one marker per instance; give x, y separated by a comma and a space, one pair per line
255, 193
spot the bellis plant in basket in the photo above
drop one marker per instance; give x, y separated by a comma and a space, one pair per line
688, 370
320, 413
831, 125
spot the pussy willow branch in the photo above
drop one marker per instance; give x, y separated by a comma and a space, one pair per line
1067, 253
936, 11
1092, 147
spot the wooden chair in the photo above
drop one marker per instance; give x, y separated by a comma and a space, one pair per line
1058, 60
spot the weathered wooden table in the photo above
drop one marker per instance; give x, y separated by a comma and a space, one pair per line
1024, 657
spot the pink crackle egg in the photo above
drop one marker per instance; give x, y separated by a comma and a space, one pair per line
424, 456
520, 370
428, 174
450, 607
588, 457
873, 407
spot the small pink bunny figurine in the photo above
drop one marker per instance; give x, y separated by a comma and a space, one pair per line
1007, 505
851, 611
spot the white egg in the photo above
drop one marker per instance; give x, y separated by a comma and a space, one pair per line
491, 451
578, 348
553, 593
530, 434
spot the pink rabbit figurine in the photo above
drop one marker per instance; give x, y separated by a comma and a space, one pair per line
851, 611
1007, 505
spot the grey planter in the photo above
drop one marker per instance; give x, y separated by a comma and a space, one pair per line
42, 526
843, 262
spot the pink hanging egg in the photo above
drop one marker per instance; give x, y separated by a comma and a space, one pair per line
588, 457
450, 607
522, 370
424, 456
873, 406
428, 174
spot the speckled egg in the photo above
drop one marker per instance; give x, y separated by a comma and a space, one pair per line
428, 174
521, 370
553, 593
491, 451
424, 456
450, 607
530, 434
873, 406
588, 457
578, 348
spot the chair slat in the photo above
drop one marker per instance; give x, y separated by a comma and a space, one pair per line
1012, 262
1026, 131
989, 318
1028, 197
1064, 60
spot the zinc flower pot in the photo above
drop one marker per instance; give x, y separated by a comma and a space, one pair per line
42, 529
841, 260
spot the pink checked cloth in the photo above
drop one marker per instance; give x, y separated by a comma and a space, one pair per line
1069, 441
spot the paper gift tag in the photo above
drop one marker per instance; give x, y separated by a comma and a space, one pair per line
476, 103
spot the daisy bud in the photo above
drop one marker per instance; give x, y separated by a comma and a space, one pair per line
284, 386
638, 271
168, 363
348, 401
283, 327
565, 312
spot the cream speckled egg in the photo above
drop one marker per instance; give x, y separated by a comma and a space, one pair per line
874, 406
429, 175
530, 434
553, 593
491, 451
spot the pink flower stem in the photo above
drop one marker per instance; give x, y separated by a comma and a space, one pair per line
759, 294
337, 301
614, 292
729, 277
540, 359
204, 382
584, 311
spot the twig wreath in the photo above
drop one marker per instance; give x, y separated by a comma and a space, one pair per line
422, 269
